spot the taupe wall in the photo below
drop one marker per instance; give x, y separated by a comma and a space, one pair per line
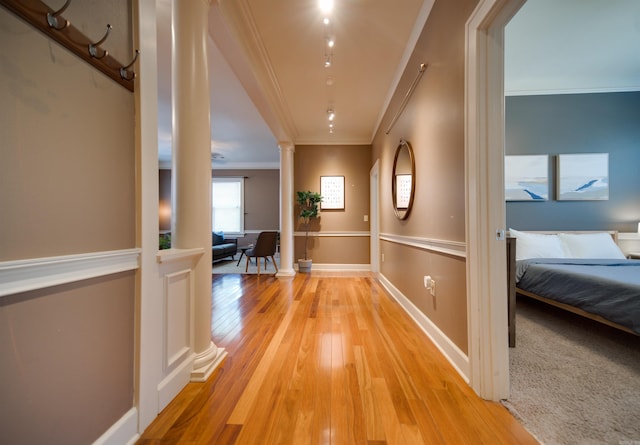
352, 162
67, 187
67, 361
433, 122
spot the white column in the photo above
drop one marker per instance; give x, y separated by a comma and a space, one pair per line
286, 210
192, 167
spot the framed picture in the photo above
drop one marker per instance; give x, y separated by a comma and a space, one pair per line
403, 191
526, 178
583, 177
332, 191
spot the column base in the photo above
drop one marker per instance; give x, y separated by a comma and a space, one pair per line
206, 362
284, 273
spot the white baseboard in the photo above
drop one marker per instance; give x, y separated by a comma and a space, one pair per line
458, 359
338, 267
124, 431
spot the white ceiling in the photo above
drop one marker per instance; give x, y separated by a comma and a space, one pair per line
268, 83
573, 46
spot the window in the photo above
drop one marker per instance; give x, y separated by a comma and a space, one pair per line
227, 205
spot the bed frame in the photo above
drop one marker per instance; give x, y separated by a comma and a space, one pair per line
512, 290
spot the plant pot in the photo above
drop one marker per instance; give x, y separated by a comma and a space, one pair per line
304, 266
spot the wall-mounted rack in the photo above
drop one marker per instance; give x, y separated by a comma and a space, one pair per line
407, 96
51, 23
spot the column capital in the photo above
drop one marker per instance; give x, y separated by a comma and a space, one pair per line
286, 146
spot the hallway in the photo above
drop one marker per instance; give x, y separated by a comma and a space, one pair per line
326, 358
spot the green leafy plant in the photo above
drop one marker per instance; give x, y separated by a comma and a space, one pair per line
165, 241
309, 203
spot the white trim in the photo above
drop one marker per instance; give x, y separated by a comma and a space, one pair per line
39, 273
333, 234
458, 359
173, 383
484, 197
173, 255
339, 267
374, 217
455, 248
124, 431
628, 89
247, 166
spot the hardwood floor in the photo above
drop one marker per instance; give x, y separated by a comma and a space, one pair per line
326, 359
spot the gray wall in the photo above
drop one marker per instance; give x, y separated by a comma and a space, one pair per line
578, 123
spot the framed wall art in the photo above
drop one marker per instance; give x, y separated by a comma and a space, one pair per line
403, 191
526, 178
583, 177
332, 191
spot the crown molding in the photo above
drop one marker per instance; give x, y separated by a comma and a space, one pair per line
239, 18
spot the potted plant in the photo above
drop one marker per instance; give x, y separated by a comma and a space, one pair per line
309, 203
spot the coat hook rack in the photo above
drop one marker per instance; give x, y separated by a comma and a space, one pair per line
53, 25
124, 71
52, 17
93, 47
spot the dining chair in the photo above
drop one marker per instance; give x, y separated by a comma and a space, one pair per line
265, 247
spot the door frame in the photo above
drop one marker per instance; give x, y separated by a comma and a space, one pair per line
374, 217
484, 198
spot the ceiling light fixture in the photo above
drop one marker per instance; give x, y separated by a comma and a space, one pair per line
326, 6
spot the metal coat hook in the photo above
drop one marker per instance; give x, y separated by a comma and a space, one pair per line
52, 17
93, 47
129, 75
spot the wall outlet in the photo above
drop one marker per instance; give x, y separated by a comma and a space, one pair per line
382, 257
430, 284
366, 218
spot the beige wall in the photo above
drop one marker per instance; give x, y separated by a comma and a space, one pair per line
67, 187
352, 162
433, 122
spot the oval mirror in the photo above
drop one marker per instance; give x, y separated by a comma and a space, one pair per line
403, 180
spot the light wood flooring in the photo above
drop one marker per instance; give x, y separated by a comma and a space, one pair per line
326, 359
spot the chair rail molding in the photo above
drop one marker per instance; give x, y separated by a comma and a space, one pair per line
455, 248
39, 273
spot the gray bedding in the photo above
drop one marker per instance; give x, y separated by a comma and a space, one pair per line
609, 288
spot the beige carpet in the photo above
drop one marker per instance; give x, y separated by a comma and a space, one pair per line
574, 381
229, 266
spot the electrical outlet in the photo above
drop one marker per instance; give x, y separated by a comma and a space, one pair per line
366, 218
382, 256
430, 284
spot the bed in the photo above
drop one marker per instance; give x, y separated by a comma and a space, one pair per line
582, 272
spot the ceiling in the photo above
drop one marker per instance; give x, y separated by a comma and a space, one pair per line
269, 83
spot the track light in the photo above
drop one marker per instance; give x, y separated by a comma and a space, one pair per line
326, 6
331, 114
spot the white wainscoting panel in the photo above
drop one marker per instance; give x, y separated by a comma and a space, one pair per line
178, 295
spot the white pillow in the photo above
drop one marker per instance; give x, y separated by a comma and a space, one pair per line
537, 245
590, 245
